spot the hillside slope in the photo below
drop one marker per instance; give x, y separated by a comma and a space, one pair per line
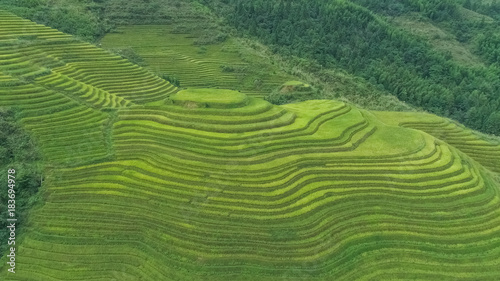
227, 64
360, 37
440, 56
241, 63
145, 182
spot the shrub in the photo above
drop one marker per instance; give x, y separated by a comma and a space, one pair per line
131, 55
210, 38
172, 79
227, 68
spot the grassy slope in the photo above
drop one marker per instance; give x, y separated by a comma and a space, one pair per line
314, 190
226, 65
440, 39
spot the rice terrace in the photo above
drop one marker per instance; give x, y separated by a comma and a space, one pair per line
134, 177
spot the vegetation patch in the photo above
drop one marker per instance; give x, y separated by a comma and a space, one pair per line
440, 39
295, 86
293, 91
18, 151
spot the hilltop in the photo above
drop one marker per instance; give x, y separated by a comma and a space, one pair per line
144, 181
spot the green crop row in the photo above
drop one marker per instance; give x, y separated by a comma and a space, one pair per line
92, 95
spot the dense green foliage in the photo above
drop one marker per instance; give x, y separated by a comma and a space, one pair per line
17, 151
346, 35
172, 79
293, 91
131, 55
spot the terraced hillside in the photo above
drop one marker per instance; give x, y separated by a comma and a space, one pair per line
483, 151
148, 183
219, 65
64, 87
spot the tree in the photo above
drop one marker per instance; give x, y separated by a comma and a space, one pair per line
492, 124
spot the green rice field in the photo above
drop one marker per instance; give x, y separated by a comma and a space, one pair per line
146, 182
